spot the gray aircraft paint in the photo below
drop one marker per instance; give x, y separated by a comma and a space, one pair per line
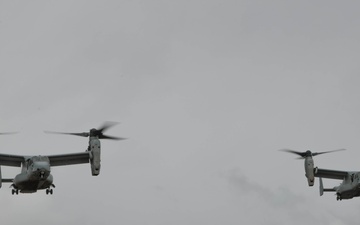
35, 170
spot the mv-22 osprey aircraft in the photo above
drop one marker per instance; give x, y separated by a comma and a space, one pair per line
350, 185
35, 170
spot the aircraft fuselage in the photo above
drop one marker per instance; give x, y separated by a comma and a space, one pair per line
349, 188
35, 175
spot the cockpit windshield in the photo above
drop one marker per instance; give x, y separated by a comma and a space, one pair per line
40, 159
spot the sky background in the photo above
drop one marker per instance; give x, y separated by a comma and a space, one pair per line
206, 92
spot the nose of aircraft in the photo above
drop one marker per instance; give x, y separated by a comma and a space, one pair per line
42, 166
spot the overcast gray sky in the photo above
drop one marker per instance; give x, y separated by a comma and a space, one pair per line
206, 92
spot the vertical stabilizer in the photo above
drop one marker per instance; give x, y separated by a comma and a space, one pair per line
0, 178
321, 186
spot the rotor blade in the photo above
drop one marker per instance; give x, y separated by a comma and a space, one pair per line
94, 132
302, 154
84, 134
106, 126
319, 153
6, 133
102, 136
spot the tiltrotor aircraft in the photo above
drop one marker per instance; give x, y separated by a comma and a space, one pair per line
350, 185
35, 170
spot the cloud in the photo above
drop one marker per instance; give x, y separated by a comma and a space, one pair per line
282, 197
280, 205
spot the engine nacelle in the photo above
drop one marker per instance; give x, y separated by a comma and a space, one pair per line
95, 152
309, 170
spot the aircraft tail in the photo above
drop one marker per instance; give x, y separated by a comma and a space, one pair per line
322, 189
4, 180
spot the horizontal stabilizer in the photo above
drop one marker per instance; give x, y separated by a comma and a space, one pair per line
7, 180
329, 190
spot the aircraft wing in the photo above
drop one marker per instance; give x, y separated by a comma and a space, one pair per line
331, 174
11, 160
69, 159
